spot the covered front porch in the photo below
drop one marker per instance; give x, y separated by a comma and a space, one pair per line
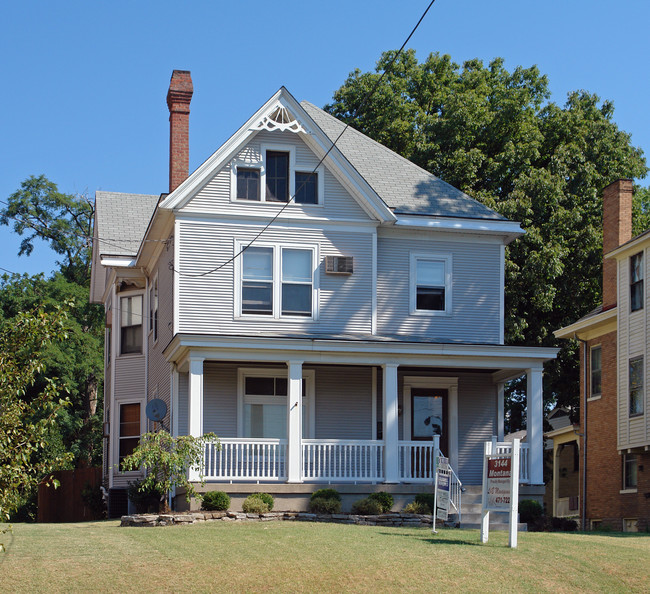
296, 411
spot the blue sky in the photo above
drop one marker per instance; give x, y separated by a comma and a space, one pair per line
84, 83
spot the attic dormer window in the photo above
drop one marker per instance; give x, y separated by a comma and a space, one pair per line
276, 177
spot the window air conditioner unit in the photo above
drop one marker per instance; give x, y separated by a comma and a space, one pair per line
339, 264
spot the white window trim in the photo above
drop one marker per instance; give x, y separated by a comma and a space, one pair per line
261, 165
277, 281
116, 441
119, 323
309, 399
447, 259
154, 291
591, 391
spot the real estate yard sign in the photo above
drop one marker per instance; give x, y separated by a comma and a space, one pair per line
500, 486
443, 481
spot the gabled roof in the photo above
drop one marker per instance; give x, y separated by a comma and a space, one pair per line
401, 184
121, 221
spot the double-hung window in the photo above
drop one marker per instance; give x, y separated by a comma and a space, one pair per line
129, 429
277, 281
131, 325
596, 372
629, 471
636, 281
636, 386
430, 284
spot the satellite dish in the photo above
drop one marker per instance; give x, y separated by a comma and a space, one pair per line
156, 410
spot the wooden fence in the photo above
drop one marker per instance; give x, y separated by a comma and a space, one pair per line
66, 504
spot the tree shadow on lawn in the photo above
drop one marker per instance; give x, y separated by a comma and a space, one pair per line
441, 538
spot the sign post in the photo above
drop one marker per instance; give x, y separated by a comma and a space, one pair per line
500, 487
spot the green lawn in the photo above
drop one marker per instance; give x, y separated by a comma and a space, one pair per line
306, 557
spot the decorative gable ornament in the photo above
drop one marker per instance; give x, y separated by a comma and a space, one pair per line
280, 118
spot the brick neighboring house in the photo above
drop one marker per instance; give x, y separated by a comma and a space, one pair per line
614, 413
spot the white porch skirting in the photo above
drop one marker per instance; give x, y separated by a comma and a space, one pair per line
325, 460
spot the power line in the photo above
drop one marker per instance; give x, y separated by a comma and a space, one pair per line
369, 94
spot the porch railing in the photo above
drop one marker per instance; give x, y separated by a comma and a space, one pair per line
416, 461
504, 447
335, 460
246, 459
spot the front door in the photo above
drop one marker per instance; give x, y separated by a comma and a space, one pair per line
428, 415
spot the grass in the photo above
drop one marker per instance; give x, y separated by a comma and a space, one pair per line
306, 557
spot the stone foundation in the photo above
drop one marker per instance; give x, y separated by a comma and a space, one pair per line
175, 519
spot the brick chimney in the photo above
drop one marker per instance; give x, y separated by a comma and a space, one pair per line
178, 101
617, 229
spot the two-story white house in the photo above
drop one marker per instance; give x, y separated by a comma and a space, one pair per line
325, 309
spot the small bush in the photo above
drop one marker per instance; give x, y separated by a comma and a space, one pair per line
255, 505
385, 500
265, 497
215, 501
417, 508
530, 511
326, 494
147, 501
366, 507
425, 499
321, 505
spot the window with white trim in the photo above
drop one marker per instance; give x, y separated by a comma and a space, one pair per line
630, 469
131, 325
595, 371
129, 435
636, 282
264, 403
153, 308
277, 281
276, 178
636, 386
430, 290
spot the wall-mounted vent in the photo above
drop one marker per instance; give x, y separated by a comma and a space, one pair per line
339, 264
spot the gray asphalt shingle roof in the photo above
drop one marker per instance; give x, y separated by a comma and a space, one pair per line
122, 221
402, 185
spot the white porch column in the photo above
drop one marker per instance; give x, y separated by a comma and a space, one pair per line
195, 405
294, 422
534, 424
501, 395
390, 423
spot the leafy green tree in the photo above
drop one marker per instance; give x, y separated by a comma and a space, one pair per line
39, 211
641, 210
166, 459
495, 135
26, 424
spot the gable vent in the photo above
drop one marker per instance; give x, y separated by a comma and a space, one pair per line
339, 264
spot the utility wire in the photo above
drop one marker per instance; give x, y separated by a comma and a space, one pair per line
367, 96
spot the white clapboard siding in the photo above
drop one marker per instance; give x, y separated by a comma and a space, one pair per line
215, 195
476, 291
206, 303
220, 399
130, 377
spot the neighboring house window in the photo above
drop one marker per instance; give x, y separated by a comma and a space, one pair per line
277, 176
636, 386
277, 281
131, 324
636, 282
306, 188
265, 407
629, 471
129, 429
596, 371
430, 283
153, 309
248, 183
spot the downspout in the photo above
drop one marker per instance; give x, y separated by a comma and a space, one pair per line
584, 433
